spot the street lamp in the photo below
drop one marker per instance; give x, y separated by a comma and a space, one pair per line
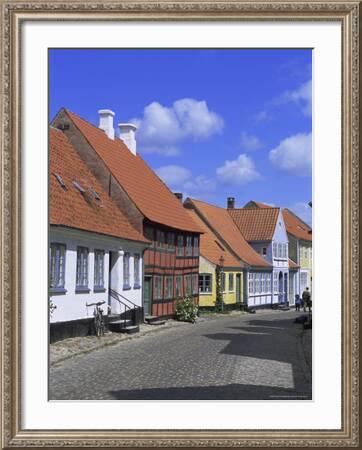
221, 264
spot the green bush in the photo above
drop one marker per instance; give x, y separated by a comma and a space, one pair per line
185, 310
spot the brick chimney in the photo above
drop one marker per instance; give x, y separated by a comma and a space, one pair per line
231, 202
127, 133
178, 195
106, 122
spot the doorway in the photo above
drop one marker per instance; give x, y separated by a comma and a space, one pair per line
238, 288
147, 296
280, 296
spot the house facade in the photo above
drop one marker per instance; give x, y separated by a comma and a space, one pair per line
256, 270
265, 231
92, 246
171, 263
217, 262
301, 249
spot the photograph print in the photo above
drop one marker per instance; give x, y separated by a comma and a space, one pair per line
180, 224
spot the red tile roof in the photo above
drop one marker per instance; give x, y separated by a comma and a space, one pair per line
255, 224
147, 191
210, 246
295, 226
222, 224
70, 207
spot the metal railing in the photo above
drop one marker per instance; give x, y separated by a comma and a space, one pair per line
129, 308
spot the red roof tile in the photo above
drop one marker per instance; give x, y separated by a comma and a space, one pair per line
255, 224
222, 224
70, 207
148, 192
210, 246
295, 226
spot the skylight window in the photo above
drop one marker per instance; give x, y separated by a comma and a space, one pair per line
60, 180
78, 186
94, 193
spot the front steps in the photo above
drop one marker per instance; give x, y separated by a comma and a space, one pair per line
154, 320
123, 326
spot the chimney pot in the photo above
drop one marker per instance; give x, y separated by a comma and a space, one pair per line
127, 133
231, 202
179, 195
106, 122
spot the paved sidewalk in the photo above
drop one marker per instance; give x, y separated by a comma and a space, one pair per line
68, 348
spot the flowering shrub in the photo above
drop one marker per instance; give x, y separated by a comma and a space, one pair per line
185, 310
52, 307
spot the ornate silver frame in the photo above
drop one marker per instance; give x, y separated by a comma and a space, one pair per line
13, 13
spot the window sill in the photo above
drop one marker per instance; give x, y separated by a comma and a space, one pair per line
99, 289
126, 287
58, 290
205, 293
137, 286
82, 290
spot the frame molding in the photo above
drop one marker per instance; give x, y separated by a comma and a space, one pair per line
13, 13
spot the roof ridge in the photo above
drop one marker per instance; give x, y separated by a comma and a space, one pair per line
297, 217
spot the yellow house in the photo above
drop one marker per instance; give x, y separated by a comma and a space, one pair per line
215, 257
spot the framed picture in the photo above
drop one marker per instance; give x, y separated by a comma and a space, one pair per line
159, 280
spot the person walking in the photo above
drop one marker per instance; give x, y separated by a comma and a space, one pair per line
307, 302
297, 302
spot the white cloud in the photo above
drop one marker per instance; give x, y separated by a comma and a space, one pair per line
294, 154
174, 175
181, 179
240, 171
200, 184
249, 142
302, 210
162, 128
302, 96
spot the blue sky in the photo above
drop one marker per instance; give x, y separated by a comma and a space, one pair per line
212, 123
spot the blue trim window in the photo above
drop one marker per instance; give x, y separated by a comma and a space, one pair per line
126, 280
188, 288
196, 246
195, 283
171, 242
98, 269
136, 270
168, 287
57, 267
158, 287
82, 269
178, 286
205, 283
188, 246
180, 245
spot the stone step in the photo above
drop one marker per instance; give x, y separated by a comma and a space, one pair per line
157, 322
132, 329
152, 319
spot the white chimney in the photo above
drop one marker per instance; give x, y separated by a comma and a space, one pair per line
127, 132
106, 122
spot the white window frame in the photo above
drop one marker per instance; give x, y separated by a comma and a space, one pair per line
82, 269
98, 269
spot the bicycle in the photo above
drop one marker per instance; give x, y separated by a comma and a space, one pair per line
98, 318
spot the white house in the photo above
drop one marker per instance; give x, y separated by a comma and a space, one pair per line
265, 231
95, 254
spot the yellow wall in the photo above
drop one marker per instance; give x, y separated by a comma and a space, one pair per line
209, 299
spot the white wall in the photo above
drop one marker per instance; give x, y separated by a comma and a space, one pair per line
72, 305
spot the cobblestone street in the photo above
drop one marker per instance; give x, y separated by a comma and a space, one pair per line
245, 357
